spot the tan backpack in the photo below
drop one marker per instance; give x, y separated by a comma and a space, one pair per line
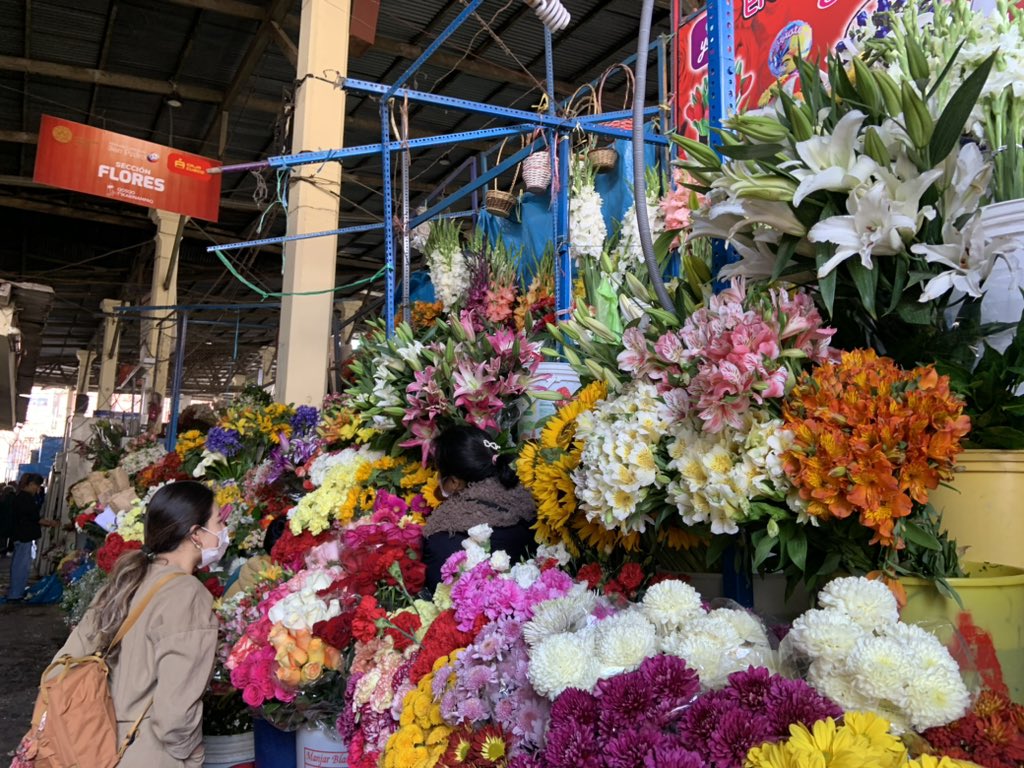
74, 724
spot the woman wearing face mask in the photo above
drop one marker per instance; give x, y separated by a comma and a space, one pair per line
480, 487
162, 666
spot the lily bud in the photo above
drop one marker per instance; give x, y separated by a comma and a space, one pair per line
875, 148
799, 122
917, 61
759, 128
867, 86
917, 117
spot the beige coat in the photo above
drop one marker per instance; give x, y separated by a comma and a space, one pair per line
168, 657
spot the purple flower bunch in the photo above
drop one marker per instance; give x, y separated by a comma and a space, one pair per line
226, 442
627, 722
491, 685
484, 591
305, 421
653, 718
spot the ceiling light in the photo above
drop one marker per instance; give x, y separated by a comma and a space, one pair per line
445, 160
173, 102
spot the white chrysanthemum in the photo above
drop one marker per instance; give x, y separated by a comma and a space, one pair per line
564, 661
928, 652
623, 642
559, 616
935, 699
826, 636
749, 628
882, 668
669, 605
702, 654
869, 603
556, 552
839, 687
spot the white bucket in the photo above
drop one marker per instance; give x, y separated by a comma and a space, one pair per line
238, 751
553, 377
316, 748
1003, 302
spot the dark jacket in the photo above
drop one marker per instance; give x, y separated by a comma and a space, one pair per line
26, 518
509, 511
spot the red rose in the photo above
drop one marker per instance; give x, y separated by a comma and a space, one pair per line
591, 574
364, 623
631, 576
214, 586
336, 632
406, 625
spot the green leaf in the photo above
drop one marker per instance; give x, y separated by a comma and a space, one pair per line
945, 70
915, 534
950, 125
751, 151
866, 281
717, 548
796, 548
827, 285
899, 283
785, 255
763, 550
663, 245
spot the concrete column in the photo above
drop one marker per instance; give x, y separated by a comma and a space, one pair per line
267, 355
349, 307
85, 359
159, 343
109, 354
313, 206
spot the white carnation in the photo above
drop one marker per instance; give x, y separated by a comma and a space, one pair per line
669, 605
867, 602
623, 642
525, 574
500, 561
481, 534
564, 661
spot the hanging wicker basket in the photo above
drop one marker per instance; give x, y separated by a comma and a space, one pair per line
603, 159
625, 124
537, 171
497, 201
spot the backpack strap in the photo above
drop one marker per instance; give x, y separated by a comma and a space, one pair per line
139, 609
133, 732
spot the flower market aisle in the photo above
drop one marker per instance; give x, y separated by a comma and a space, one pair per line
29, 636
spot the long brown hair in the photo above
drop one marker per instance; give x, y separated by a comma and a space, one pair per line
173, 512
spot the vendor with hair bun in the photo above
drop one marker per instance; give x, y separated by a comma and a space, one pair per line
479, 486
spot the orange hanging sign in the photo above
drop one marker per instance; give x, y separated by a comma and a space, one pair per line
97, 162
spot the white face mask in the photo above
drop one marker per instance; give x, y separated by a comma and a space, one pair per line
214, 554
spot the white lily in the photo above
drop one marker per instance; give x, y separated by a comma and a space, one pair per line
873, 229
905, 194
969, 182
969, 255
775, 215
832, 161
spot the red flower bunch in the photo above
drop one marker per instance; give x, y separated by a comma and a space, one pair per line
991, 734
166, 470
623, 585
372, 551
403, 630
441, 638
112, 549
84, 519
365, 621
213, 585
290, 550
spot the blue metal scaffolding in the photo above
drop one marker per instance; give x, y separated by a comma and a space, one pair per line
552, 131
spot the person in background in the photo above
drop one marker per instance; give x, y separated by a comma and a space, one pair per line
247, 576
7, 494
479, 486
26, 531
166, 660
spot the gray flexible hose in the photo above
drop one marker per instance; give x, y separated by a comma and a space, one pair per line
639, 177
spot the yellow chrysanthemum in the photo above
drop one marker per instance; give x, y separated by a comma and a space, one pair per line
189, 441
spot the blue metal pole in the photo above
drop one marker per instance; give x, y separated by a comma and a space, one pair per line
179, 369
563, 261
389, 223
552, 138
432, 48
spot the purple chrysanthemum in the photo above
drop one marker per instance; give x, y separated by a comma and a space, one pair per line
749, 688
671, 685
698, 723
572, 746
793, 701
226, 442
630, 748
673, 757
624, 701
738, 731
575, 706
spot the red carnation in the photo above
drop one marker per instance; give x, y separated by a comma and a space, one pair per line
290, 550
214, 586
405, 626
112, 549
364, 623
591, 574
336, 632
631, 576
442, 638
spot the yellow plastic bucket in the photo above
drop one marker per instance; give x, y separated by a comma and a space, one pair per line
992, 619
982, 509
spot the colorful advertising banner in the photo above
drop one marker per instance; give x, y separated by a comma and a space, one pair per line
767, 34
97, 162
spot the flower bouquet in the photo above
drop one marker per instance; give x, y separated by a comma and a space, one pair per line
449, 269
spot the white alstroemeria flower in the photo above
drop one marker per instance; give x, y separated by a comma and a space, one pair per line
832, 161
969, 255
775, 215
873, 229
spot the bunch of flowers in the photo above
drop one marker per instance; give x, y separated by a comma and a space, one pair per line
677, 205
991, 734
415, 485
422, 737
113, 547
137, 460
918, 37
449, 270
131, 524
535, 309
192, 440
876, 188
425, 314
105, 447
861, 656
469, 747
335, 478
569, 649
872, 440
168, 469
626, 253
863, 738
621, 587
341, 426
587, 227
